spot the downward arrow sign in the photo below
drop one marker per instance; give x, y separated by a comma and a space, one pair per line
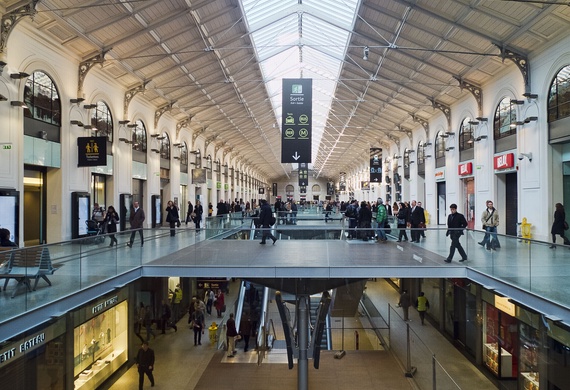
296, 156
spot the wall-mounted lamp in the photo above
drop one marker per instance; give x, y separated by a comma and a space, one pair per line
411, 162
89, 106
77, 123
529, 95
123, 139
176, 157
481, 119
443, 135
411, 151
427, 144
89, 127
530, 119
481, 137
450, 133
527, 155
427, 156
124, 122
515, 101
161, 137
471, 140
195, 152
366, 51
42, 134
3, 98
517, 123
17, 103
19, 75
473, 123
450, 148
132, 125
76, 101
177, 144
155, 150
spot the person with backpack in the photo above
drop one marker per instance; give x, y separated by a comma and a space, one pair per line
352, 214
381, 220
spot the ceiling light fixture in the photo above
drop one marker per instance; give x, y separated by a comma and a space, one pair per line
366, 52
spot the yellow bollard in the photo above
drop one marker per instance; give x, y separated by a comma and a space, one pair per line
212, 330
525, 229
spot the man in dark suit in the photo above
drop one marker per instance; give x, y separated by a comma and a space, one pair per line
265, 222
455, 223
136, 220
417, 220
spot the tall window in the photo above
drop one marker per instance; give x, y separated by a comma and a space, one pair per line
198, 159
505, 117
165, 146
102, 121
139, 136
559, 96
184, 157
439, 145
420, 153
466, 134
42, 99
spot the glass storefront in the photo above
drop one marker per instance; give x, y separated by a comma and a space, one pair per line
500, 341
100, 342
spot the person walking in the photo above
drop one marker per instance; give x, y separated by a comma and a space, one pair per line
402, 217
417, 221
490, 220
110, 222
198, 322
220, 303
265, 221
198, 211
422, 304
381, 220
210, 296
559, 226
455, 224
172, 217
176, 300
405, 303
231, 333
137, 218
147, 322
165, 317
364, 220
189, 213
245, 330
145, 364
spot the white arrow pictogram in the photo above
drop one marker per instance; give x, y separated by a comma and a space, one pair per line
296, 156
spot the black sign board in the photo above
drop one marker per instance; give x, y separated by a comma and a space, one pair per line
303, 175
261, 191
375, 165
302, 190
91, 151
296, 121
274, 189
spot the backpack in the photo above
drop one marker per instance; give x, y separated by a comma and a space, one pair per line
350, 211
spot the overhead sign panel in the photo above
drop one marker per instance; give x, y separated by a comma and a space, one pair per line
303, 175
296, 121
376, 165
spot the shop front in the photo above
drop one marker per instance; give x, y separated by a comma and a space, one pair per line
100, 340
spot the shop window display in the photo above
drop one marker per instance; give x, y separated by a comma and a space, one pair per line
500, 341
529, 348
100, 346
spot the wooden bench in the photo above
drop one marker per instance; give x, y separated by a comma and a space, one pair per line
25, 265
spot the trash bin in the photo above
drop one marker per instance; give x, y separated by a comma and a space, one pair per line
212, 332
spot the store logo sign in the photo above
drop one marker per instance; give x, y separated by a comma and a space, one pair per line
504, 161
465, 169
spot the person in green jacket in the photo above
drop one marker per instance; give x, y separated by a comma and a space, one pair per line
381, 220
422, 304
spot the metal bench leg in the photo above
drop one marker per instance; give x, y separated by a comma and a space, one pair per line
24, 281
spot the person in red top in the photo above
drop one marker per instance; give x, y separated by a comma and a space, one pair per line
220, 303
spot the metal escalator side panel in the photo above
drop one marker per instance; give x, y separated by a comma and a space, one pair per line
286, 328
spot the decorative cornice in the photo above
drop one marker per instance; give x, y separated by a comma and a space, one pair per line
423, 122
520, 60
130, 94
181, 125
160, 112
443, 108
475, 90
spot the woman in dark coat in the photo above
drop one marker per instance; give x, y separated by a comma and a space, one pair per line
559, 225
402, 222
110, 222
189, 212
172, 216
365, 220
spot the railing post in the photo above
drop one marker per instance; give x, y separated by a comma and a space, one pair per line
410, 371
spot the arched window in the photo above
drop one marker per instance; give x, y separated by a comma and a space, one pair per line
559, 96
407, 164
42, 99
102, 121
165, 146
139, 136
466, 134
316, 189
439, 145
420, 153
184, 157
505, 118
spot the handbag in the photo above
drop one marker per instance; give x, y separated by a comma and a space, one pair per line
223, 309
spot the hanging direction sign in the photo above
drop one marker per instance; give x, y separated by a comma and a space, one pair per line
296, 121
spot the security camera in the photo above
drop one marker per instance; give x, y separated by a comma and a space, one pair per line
521, 156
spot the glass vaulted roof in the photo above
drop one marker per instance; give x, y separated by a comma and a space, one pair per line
301, 39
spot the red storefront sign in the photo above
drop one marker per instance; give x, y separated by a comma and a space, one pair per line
504, 161
465, 169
